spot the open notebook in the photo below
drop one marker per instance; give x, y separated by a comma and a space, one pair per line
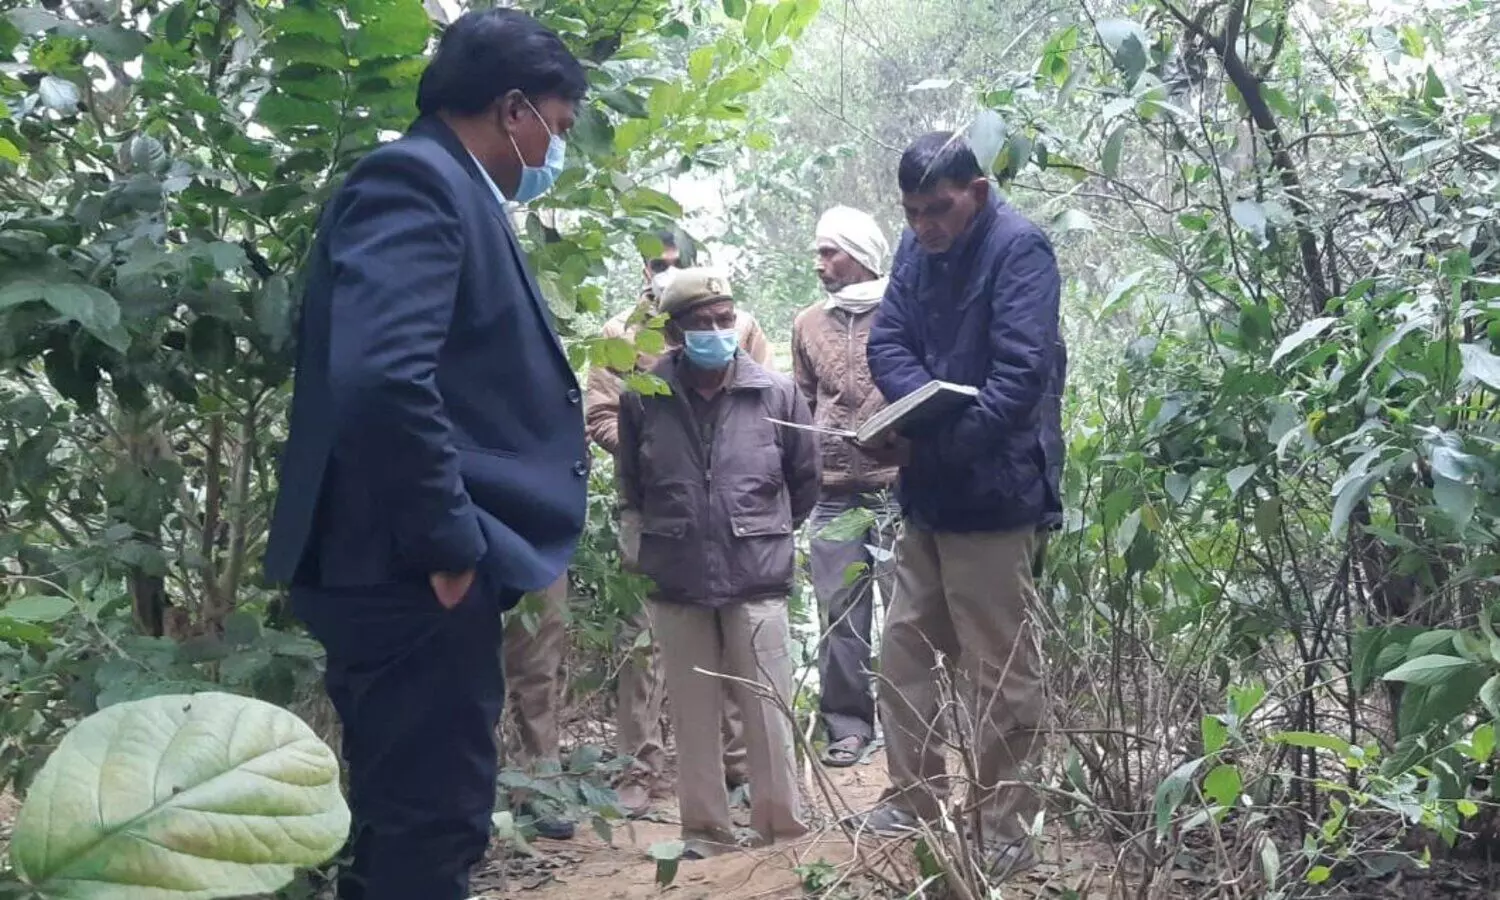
933, 400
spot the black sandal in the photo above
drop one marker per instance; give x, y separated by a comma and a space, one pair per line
845, 752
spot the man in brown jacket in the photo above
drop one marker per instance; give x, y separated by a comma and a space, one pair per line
720, 490
828, 359
639, 694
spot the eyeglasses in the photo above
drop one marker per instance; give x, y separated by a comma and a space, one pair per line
658, 266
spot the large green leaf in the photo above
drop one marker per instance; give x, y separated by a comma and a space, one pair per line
181, 797
1313, 740
1170, 792
1223, 785
1481, 365
96, 310
1434, 668
1127, 43
1351, 492
1489, 695
1113, 146
59, 94
987, 138
1250, 216
1309, 330
390, 27
37, 608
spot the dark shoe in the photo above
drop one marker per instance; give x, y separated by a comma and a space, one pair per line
1009, 860
845, 752
884, 821
550, 828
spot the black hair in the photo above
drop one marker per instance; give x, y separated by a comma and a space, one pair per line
486, 54
672, 239
934, 158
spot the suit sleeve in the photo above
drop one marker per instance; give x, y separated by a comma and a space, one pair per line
800, 459
628, 453
802, 369
396, 249
894, 350
1023, 334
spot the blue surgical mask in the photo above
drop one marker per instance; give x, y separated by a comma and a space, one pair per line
712, 350
538, 180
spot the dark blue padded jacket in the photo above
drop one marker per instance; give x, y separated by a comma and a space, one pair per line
983, 313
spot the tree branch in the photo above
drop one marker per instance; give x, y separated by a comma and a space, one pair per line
1249, 86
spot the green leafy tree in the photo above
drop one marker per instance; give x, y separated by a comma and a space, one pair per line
162, 168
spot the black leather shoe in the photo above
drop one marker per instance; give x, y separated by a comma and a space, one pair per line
550, 828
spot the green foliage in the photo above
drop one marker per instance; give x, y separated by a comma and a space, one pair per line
818, 877
162, 168
201, 796
1281, 418
668, 856
153, 244
578, 791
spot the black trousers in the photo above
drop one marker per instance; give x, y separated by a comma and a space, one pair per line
419, 690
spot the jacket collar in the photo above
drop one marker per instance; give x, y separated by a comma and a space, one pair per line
746, 374
435, 129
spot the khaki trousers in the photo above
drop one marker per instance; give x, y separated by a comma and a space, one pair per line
962, 615
532, 659
751, 641
638, 698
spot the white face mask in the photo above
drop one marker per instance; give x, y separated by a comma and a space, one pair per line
660, 280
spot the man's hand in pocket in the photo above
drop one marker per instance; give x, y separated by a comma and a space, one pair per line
450, 588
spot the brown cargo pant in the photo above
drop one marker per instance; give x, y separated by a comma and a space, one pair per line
962, 609
532, 661
750, 641
533, 657
641, 688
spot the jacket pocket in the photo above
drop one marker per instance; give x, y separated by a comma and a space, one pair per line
667, 510
497, 452
759, 506
761, 523
663, 528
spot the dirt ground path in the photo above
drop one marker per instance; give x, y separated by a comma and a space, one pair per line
588, 868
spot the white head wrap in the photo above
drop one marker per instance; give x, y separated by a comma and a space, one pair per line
859, 235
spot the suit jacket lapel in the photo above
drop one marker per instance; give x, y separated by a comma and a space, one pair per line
538, 299
437, 130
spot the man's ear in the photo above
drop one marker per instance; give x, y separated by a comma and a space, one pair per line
511, 105
673, 332
980, 189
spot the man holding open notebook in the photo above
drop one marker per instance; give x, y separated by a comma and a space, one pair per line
973, 304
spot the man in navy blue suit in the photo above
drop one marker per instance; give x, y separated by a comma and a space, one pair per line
436, 465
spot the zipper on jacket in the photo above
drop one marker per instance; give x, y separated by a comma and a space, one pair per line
851, 383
